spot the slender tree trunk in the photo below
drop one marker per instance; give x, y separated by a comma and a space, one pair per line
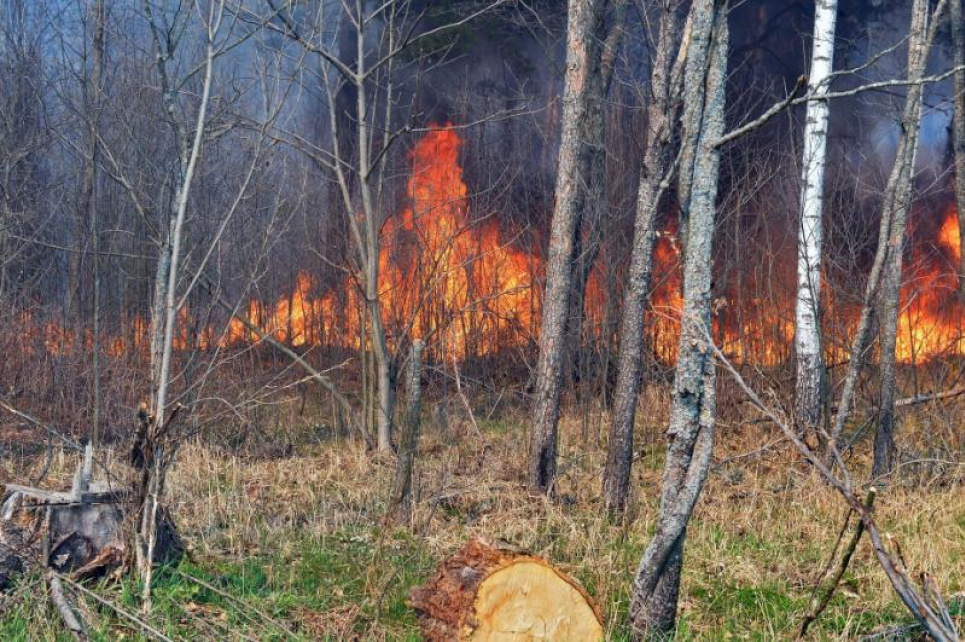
653, 603
400, 508
582, 60
893, 211
958, 129
166, 303
807, 334
85, 212
660, 115
384, 366
90, 180
890, 295
589, 239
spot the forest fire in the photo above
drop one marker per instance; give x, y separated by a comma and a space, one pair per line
441, 273
458, 280
930, 322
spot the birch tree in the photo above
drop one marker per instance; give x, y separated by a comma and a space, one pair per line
653, 604
807, 333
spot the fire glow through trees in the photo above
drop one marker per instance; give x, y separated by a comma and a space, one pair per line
470, 285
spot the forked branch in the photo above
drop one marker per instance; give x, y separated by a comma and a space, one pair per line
925, 605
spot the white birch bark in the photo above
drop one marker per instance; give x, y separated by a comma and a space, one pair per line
807, 335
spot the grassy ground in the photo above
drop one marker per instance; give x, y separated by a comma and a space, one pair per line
295, 544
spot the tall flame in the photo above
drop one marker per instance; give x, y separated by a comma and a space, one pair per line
441, 273
930, 321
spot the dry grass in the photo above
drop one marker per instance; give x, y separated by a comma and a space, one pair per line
300, 538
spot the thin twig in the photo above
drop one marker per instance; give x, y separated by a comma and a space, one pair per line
231, 597
147, 628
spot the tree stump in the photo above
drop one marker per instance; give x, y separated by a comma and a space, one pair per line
80, 531
487, 593
62, 530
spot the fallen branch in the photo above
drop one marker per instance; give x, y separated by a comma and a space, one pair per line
71, 621
145, 627
934, 396
820, 600
243, 605
926, 609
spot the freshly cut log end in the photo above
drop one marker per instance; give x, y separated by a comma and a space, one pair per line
484, 593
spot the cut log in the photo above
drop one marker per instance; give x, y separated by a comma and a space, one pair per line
487, 593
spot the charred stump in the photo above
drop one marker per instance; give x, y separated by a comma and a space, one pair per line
81, 531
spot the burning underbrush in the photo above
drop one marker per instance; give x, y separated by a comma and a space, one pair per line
455, 273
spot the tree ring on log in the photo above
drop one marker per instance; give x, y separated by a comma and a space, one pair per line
485, 593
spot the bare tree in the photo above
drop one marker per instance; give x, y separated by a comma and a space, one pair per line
22, 135
894, 207
958, 127
653, 604
807, 329
580, 104
654, 176
360, 141
87, 207
919, 44
165, 309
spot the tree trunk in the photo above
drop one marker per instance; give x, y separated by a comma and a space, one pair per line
166, 303
385, 379
890, 294
807, 335
616, 475
582, 61
589, 239
897, 195
384, 384
400, 508
693, 413
958, 129
90, 179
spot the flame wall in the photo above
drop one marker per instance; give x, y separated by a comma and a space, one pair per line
458, 279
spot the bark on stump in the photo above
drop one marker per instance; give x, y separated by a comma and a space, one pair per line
486, 593
80, 531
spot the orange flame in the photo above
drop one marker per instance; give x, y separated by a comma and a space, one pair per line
455, 277
930, 322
